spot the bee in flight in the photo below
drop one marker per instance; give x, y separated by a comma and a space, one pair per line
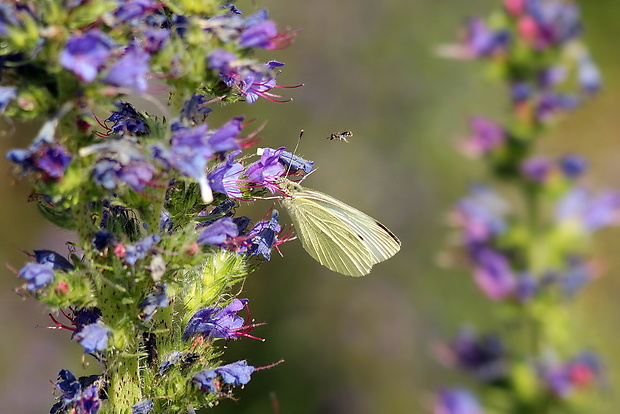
341, 136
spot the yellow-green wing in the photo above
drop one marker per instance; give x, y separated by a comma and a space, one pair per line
380, 242
337, 235
328, 239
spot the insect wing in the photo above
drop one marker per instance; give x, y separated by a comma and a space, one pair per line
379, 241
327, 238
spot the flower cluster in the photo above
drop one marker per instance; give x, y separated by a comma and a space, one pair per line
151, 197
529, 248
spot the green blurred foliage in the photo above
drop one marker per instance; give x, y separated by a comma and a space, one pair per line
362, 345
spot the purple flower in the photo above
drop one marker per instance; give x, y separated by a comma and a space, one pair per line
235, 374
189, 154
267, 170
563, 379
85, 316
217, 322
484, 357
591, 211
588, 75
456, 401
155, 39
294, 163
573, 166
158, 298
252, 80
486, 135
537, 169
482, 41
134, 9
492, 273
86, 54
225, 177
264, 236
7, 93
223, 139
263, 33
53, 260
137, 174
130, 70
49, 159
139, 250
195, 106
143, 407
127, 120
481, 215
37, 275
218, 232
78, 395
93, 337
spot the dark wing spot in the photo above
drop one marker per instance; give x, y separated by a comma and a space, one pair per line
388, 231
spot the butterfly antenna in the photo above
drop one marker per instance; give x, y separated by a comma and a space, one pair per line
301, 133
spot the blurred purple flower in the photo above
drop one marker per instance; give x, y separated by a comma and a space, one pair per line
481, 214
86, 54
143, 407
484, 356
37, 275
93, 337
7, 93
591, 211
486, 135
78, 395
492, 273
218, 232
573, 166
563, 379
456, 401
235, 374
537, 169
130, 70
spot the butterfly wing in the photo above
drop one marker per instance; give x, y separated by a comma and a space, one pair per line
379, 241
337, 235
327, 238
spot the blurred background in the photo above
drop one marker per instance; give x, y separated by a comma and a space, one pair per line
355, 345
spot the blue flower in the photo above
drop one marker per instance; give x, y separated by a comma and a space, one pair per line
484, 357
486, 135
590, 211
158, 298
235, 374
223, 139
482, 215
52, 259
7, 93
189, 155
225, 177
294, 162
127, 120
93, 337
492, 273
130, 70
196, 105
264, 236
218, 322
86, 54
37, 275
267, 170
143, 407
457, 401
537, 169
218, 232
78, 395
135, 10
47, 158
139, 250
573, 166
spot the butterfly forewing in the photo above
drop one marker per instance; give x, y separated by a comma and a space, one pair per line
380, 242
328, 240
337, 235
